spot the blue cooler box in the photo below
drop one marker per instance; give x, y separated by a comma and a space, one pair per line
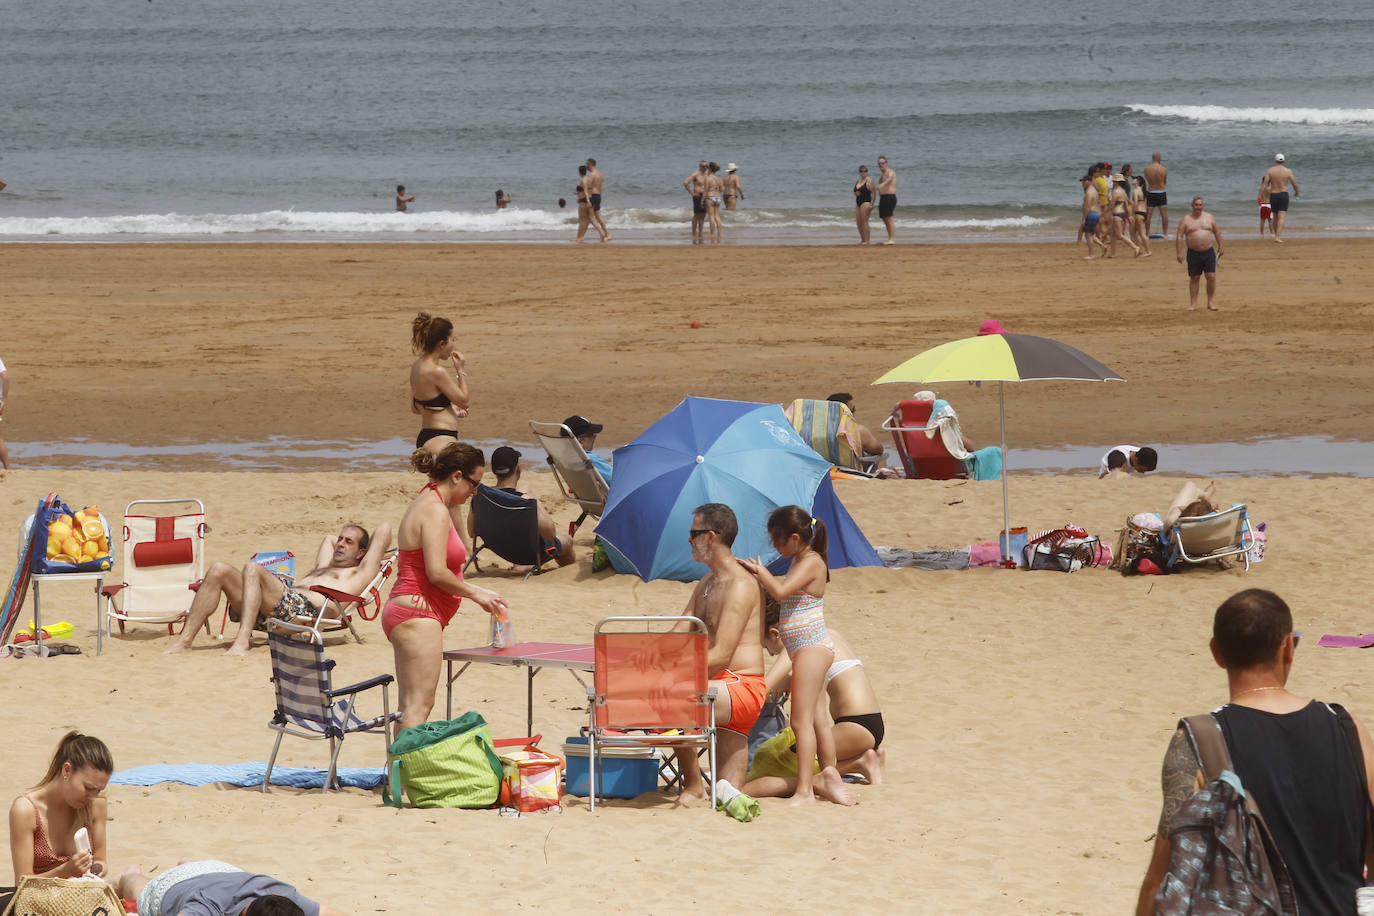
625, 772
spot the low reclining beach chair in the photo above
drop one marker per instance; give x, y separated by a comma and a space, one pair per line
309, 706
577, 477
339, 607
164, 560
631, 707
1215, 536
920, 445
508, 526
830, 429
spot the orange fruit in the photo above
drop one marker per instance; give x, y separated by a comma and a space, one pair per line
71, 547
54, 547
92, 528
62, 558
59, 529
92, 512
90, 550
104, 544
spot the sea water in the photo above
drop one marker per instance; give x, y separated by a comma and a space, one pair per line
264, 120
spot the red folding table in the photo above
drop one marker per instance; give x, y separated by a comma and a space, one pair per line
533, 656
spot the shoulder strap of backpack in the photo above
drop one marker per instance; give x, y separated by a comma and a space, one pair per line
1204, 731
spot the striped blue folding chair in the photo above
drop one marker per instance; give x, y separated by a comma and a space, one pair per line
308, 706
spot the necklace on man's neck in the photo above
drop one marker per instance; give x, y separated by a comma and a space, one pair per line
1256, 690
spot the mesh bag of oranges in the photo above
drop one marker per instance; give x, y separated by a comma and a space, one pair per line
76, 541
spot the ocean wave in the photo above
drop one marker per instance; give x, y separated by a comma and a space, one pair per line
1217, 113
448, 222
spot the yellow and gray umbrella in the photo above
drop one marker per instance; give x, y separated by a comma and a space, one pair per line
1000, 358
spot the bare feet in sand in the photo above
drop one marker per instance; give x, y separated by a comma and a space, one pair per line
174, 648
872, 766
830, 785
237, 651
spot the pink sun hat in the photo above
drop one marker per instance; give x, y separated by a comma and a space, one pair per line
991, 326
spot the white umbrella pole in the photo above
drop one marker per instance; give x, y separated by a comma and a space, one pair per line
1006, 509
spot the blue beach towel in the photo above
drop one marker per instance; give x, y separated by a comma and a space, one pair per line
245, 774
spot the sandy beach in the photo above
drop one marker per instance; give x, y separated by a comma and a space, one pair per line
1027, 713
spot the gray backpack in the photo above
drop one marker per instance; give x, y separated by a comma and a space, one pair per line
1222, 859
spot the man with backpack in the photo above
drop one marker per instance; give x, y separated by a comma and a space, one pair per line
1304, 763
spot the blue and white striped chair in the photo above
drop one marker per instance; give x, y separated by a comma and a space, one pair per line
308, 706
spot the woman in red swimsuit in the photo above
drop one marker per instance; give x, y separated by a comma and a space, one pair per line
44, 821
429, 576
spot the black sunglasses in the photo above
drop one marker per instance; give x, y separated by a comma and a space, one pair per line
698, 532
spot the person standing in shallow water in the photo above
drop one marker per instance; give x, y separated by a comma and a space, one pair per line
863, 205
402, 199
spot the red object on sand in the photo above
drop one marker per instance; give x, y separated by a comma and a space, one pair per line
696, 324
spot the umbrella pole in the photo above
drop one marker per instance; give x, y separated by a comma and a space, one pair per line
1006, 509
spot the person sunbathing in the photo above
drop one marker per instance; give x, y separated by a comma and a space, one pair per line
873, 452
346, 562
505, 464
858, 722
211, 886
1191, 501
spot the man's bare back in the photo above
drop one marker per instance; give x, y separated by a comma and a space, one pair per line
1157, 176
1277, 179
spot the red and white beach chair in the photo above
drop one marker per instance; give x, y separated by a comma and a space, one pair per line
920, 445
163, 559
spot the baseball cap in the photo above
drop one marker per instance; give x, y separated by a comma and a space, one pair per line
504, 460
580, 426
1278, 157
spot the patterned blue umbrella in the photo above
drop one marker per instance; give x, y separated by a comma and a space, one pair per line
742, 454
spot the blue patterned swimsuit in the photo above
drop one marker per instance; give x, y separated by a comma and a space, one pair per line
802, 623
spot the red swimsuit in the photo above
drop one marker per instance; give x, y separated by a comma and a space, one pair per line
411, 579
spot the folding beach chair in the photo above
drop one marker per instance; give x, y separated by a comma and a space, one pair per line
1204, 538
508, 526
164, 559
308, 706
828, 427
920, 445
632, 704
579, 480
339, 607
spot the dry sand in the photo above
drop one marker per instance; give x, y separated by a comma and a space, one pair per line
1027, 712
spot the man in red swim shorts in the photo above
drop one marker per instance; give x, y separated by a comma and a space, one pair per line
728, 599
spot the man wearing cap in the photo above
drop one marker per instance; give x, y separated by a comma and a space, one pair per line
1203, 236
505, 465
1276, 182
584, 431
695, 184
733, 191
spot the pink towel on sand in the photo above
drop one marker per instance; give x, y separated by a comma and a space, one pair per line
1347, 642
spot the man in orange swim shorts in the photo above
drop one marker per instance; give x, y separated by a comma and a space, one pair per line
728, 599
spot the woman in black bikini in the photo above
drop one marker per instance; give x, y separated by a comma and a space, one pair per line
863, 203
439, 398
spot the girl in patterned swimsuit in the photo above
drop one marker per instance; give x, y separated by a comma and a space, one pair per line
801, 593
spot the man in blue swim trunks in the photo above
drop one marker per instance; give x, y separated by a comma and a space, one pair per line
1203, 237
1087, 230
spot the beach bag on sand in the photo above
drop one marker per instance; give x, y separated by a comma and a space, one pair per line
1222, 859
532, 777
1140, 535
63, 897
72, 541
1067, 555
444, 765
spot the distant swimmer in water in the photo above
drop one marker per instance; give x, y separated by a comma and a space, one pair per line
2, 184
502, 199
439, 398
402, 199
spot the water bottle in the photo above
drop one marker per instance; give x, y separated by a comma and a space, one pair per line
501, 634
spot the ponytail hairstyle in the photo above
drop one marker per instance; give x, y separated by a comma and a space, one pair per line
427, 332
455, 458
80, 751
790, 520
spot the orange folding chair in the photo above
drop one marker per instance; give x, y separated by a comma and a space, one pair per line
647, 682
919, 444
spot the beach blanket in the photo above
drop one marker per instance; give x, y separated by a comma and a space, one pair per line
245, 774
1364, 641
902, 558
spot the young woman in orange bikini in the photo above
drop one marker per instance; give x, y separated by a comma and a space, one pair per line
801, 593
429, 576
439, 398
44, 821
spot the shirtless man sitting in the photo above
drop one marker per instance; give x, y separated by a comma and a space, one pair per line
347, 562
729, 601
1202, 233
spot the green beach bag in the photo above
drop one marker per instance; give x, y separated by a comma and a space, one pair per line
444, 765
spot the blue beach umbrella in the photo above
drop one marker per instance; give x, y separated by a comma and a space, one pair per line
739, 453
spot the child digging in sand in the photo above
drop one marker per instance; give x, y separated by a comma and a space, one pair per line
801, 593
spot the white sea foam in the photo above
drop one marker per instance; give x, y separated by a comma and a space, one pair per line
1215, 113
441, 223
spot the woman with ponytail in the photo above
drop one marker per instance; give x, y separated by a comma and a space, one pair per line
44, 821
440, 398
429, 575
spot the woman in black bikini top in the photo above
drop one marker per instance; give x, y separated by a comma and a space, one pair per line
863, 203
432, 338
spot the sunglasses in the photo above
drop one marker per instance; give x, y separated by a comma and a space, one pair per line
698, 532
